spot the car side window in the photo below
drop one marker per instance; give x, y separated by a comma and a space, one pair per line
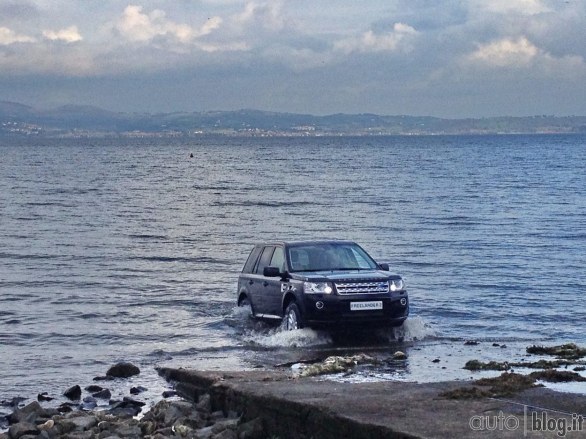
278, 259
251, 261
265, 259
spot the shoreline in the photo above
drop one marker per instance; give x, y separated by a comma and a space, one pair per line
451, 373
278, 403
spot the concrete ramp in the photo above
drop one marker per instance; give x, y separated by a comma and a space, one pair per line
317, 408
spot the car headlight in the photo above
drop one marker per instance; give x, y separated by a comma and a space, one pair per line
318, 288
396, 285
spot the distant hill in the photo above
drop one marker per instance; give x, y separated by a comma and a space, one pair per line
76, 120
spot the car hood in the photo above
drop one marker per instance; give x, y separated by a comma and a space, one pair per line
346, 275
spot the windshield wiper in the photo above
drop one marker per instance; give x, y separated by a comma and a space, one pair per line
346, 269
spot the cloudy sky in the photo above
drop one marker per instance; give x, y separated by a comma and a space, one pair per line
447, 58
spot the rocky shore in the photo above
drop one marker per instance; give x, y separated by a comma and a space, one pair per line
99, 416
294, 400
167, 419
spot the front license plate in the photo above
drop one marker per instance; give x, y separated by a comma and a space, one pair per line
365, 306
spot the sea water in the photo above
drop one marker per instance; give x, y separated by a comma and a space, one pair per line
119, 249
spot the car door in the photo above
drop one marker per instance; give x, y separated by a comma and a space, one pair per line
273, 289
260, 282
248, 276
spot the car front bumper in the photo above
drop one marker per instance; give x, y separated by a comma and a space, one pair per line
335, 310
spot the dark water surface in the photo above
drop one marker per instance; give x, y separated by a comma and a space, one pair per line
129, 250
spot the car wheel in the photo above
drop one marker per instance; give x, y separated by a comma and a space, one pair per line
292, 319
245, 303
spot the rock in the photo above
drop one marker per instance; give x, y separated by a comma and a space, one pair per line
226, 434
28, 413
169, 393
133, 402
222, 425
102, 394
104, 378
89, 403
126, 408
164, 432
399, 355
66, 407
137, 390
123, 370
216, 416
251, 430
94, 388
128, 431
204, 403
182, 430
437, 360
43, 397
82, 422
178, 410
147, 428
47, 425
73, 393
203, 433
16, 431
14, 402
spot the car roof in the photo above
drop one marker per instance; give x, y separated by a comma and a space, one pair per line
303, 243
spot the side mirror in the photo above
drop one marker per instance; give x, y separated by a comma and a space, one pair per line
384, 267
271, 272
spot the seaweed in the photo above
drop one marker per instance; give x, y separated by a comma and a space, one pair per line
507, 384
336, 364
557, 376
568, 351
491, 365
475, 365
466, 393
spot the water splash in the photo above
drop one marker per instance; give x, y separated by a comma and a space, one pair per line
414, 329
278, 337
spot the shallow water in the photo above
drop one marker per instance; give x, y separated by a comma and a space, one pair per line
129, 250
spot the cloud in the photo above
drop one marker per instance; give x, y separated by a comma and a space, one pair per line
262, 15
399, 56
8, 36
67, 35
137, 26
521, 54
397, 39
504, 53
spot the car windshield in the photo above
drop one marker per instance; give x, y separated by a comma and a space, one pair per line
329, 257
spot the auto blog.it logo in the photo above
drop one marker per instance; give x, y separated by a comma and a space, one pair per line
532, 420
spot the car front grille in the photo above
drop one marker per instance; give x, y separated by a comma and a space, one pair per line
362, 287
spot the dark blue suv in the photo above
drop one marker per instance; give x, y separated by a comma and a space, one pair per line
321, 284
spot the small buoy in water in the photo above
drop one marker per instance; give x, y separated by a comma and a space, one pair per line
191, 155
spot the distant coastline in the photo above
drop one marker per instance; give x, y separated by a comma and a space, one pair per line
72, 121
